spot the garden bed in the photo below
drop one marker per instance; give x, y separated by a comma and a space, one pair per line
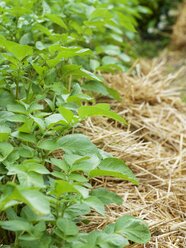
154, 146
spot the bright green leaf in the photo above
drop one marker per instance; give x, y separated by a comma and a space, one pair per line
18, 50
133, 229
77, 144
5, 150
16, 225
96, 204
66, 113
56, 19
98, 110
107, 197
4, 133
116, 168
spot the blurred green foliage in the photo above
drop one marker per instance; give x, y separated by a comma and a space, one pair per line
51, 52
156, 27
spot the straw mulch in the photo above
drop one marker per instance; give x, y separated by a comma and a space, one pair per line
153, 145
179, 29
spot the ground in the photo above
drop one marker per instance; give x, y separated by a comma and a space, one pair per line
153, 145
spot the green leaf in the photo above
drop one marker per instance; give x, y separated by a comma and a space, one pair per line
66, 187
112, 68
59, 163
26, 127
36, 200
77, 209
90, 75
78, 72
16, 225
108, 60
111, 50
54, 119
68, 52
46, 8
29, 165
26, 151
94, 64
42, 29
111, 240
116, 168
26, 39
96, 204
18, 50
99, 110
102, 14
72, 159
56, 19
5, 150
40, 46
82, 190
117, 240
5, 97
30, 179
124, 57
66, 113
4, 133
107, 197
4, 115
133, 229
39, 122
25, 137
17, 118
14, 195
39, 69
89, 240
86, 165
35, 107
102, 89
48, 144
40, 227
78, 178
77, 144
63, 187
17, 108
67, 226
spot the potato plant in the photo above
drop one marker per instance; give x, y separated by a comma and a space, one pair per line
50, 51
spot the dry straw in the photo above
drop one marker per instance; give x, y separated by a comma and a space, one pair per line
153, 145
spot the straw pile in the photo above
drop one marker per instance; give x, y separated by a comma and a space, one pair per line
153, 145
179, 29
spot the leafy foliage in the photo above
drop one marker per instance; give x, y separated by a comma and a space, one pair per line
50, 51
155, 28
160, 18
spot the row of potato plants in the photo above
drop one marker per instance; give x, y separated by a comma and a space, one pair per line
50, 53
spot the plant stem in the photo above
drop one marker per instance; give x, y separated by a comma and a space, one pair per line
17, 90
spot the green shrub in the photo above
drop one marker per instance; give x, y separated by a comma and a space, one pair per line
49, 51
